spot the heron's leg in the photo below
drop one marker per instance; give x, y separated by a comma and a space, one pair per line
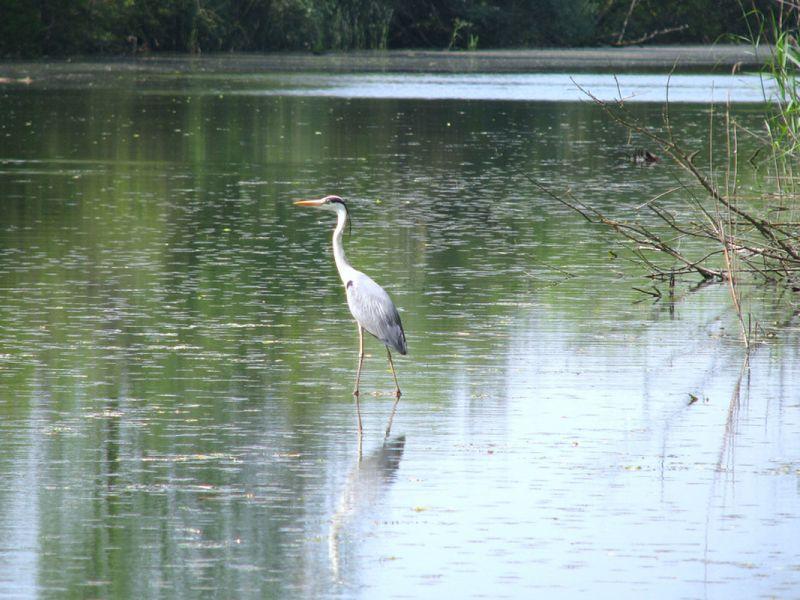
396, 399
358, 373
360, 358
391, 365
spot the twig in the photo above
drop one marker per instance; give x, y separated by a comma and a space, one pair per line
656, 294
651, 35
734, 294
684, 159
625, 22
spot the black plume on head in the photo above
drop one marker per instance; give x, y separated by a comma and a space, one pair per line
337, 200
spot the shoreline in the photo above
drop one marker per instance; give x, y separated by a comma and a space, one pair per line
715, 58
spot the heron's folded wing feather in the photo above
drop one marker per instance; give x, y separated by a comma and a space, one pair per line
375, 311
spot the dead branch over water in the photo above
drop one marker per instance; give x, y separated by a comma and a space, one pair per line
736, 240
726, 239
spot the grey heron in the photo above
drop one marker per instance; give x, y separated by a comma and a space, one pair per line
369, 303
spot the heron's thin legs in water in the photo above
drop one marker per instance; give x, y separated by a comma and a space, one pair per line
358, 373
391, 364
397, 395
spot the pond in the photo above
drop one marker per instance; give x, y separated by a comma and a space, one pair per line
177, 357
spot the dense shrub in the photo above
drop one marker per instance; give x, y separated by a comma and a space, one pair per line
63, 27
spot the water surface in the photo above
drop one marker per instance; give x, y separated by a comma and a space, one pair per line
542, 87
176, 356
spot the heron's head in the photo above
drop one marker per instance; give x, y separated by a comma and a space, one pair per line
333, 203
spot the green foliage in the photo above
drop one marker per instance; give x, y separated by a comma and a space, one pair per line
688, 21
64, 27
785, 66
779, 29
21, 29
346, 24
458, 26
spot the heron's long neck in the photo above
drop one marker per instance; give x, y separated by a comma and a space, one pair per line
342, 265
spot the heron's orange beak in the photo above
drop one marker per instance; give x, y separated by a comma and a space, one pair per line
308, 203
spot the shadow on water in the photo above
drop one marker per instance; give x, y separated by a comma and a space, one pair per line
391, 419
726, 459
366, 484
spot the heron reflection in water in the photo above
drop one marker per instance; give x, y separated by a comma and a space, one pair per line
362, 493
369, 303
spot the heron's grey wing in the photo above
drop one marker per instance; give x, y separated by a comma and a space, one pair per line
375, 311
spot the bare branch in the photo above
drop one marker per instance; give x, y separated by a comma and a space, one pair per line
649, 36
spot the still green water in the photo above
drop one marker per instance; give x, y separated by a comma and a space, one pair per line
176, 356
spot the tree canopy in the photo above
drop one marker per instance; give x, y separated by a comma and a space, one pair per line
68, 27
